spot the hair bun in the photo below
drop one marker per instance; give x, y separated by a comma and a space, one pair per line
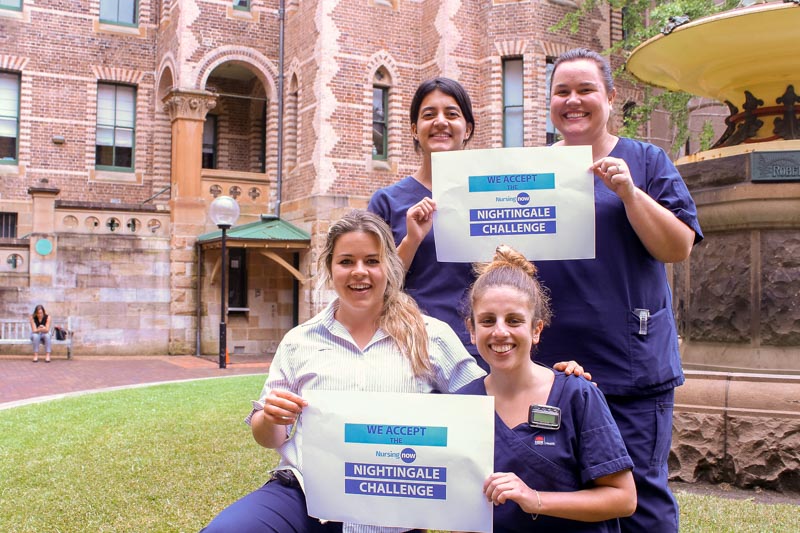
505, 255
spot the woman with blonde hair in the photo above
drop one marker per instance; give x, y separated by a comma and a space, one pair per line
372, 337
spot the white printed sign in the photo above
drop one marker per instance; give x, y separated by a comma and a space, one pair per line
402, 460
539, 201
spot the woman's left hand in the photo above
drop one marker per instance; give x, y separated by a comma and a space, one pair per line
616, 175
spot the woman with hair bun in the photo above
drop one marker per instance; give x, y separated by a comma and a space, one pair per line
560, 462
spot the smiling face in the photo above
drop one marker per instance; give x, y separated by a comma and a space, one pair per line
580, 104
440, 125
503, 327
358, 275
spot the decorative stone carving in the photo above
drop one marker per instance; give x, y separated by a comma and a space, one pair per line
193, 105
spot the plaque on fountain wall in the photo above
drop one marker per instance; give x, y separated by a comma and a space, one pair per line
775, 166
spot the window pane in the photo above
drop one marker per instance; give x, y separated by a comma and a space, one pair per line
512, 127
550, 129
125, 106
379, 127
105, 104
512, 82
8, 127
105, 136
123, 157
104, 155
11, 3
377, 104
108, 10
378, 144
127, 11
208, 130
124, 137
8, 148
9, 95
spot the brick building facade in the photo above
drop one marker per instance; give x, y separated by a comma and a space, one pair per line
129, 117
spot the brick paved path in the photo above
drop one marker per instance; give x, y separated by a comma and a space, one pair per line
22, 381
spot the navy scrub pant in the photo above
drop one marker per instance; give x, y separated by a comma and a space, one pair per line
274, 508
646, 426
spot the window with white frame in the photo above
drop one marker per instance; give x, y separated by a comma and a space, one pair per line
9, 116
513, 127
119, 12
243, 5
116, 121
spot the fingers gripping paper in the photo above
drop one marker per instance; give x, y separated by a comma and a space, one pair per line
539, 201
404, 460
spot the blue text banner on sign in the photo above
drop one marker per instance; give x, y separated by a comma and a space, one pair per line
380, 434
512, 182
359, 468
537, 200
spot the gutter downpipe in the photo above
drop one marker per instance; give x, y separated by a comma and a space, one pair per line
199, 313
279, 175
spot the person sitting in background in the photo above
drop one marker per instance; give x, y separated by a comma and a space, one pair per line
40, 332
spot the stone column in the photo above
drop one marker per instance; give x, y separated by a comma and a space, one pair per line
188, 211
43, 244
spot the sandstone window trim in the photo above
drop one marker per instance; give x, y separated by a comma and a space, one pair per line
10, 88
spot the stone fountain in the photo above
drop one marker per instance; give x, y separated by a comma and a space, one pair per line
737, 298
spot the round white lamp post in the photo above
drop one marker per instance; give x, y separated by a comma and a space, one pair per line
224, 212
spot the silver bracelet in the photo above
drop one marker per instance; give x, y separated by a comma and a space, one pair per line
538, 507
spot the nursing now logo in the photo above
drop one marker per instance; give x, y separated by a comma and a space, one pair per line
523, 198
408, 455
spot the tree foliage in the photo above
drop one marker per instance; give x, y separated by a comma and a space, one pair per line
641, 20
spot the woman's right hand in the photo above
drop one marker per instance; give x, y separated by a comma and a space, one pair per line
282, 407
419, 219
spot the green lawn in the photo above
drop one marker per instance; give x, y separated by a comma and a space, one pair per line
169, 457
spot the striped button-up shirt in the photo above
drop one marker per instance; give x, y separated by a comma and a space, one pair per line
321, 354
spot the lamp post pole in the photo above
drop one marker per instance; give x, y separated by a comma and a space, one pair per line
224, 212
223, 328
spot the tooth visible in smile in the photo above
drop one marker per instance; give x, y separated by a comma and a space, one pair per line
359, 286
501, 348
575, 115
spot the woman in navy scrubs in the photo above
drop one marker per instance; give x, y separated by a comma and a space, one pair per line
441, 121
614, 312
560, 463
